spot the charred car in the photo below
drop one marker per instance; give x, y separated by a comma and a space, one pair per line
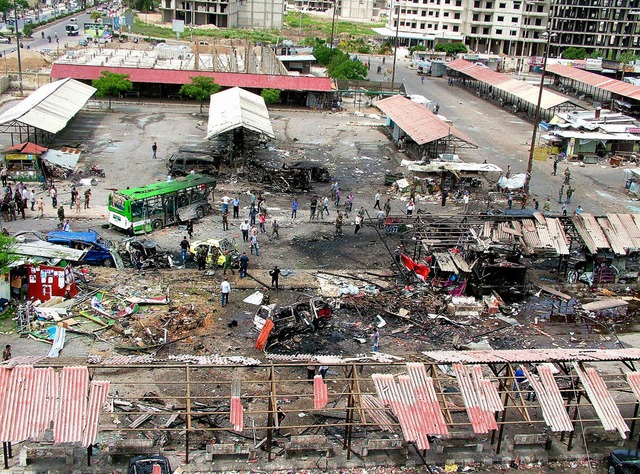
303, 316
182, 164
151, 255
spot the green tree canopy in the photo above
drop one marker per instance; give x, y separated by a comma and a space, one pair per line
271, 96
451, 48
626, 57
348, 70
201, 88
6, 257
110, 84
574, 53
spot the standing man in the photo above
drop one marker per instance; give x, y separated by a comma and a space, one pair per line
244, 264
569, 194
262, 219
244, 227
358, 223
184, 247
376, 340
225, 289
53, 192
154, 150
313, 207
87, 198
32, 200
254, 243
225, 220
201, 257
294, 209
465, 199
236, 207
227, 264
387, 207
410, 207
377, 198
547, 206
560, 193
41, 208
444, 196
510, 201
3, 175
275, 275
337, 199
6, 353
274, 229
339, 224
564, 209
380, 217
350, 198
74, 194
325, 207
225, 203
190, 228
555, 167
61, 216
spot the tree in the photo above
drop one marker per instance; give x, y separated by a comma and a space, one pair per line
322, 53
626, 57
201, 88
349, 70
110, 84
6, 257
574, 53
96, 15
271, 96
451, 48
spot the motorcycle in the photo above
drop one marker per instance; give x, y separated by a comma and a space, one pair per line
95, 170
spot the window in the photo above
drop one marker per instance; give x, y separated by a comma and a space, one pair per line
435, 27
513, 32
445, 27
476, 4
447, 2
458, 3
422, 25
514, 19
414, 25
446, 14
499, 31
474, 30
424, 13
485, 31
502, 5
456, 16
501, 18
430, 13
516, 5
476, 17
456, 27
489, 5
437, 14
487, 18
429, 25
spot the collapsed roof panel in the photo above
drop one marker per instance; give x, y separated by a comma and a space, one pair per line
235, 108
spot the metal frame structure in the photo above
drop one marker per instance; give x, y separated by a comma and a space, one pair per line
195, 399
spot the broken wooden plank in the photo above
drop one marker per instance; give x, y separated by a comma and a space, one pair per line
553, 292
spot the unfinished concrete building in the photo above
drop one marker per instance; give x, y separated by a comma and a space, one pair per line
260, 14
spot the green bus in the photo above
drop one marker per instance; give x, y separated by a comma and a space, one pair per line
151, 207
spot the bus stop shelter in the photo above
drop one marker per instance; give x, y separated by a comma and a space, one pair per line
46, 111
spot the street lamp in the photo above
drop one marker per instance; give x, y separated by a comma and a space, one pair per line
333, 26
548, 36
15, 13
395, 49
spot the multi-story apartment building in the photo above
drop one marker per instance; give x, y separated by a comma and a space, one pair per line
225, 13
515, 27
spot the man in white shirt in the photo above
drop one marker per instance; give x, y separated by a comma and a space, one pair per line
377, 204
225, 203
225, 289
244, 227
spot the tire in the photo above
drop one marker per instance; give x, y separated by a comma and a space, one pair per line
108, 263
200, 212
321, 323
156, 225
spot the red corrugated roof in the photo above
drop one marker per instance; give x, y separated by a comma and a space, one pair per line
533, 355
478, 72
596, 80
174, 76
27, 148
422, 125
30, 399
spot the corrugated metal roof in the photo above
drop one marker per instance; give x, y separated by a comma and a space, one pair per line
523, 90
64, 159
550, 398
175, 76
422, 125
27, 148
235, 108
51, 106
614, 86
533, 355
602, 401
481, 398
44, 249
30, 399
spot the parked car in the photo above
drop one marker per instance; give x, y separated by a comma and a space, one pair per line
217, 248
5, 40
308, 315
624, 461
145, 465
83, 42
99, 250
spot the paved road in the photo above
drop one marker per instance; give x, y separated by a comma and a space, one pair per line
504, 139
38, 42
